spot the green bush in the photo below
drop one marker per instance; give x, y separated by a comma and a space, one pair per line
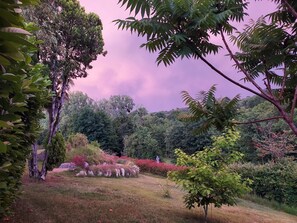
23, 93
78, 140
56, 151
91, 153
272, 181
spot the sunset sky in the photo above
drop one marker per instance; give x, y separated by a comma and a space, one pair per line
131, 70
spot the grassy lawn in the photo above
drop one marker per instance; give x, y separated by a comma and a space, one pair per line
64, 198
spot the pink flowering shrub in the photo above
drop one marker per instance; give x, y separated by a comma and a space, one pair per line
151, 166
79, 160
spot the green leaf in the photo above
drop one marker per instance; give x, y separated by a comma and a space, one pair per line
3, 185
3, 147
15, 30
5, 124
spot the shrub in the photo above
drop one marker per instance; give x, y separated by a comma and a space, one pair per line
79, 161
78, 140
56, 151
272, 181
161, 169
92, 154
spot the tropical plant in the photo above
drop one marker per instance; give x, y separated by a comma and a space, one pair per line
71, 40
208, 178
211, 111
267, 46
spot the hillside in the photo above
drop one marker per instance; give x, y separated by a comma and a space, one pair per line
65, 198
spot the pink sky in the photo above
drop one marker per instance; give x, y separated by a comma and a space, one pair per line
131, 70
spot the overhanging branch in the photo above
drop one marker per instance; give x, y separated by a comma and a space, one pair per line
257, 121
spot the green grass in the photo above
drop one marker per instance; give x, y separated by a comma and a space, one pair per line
272, 204
68, 199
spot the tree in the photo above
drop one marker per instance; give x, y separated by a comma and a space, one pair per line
267, 47
75, 103
207, 178
182, 135
141, 144
253, 108
97, 126
119, 107
71, 40
23, 94
274, 145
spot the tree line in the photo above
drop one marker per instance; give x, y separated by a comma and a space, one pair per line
123, 128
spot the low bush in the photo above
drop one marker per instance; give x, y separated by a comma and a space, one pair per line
78, 140
161, 169
272, 181
79, 160
93, 155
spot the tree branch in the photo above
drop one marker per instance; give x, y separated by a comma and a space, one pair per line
281, 94
290, 8
294, 104
257, 121
241, 67
233, 81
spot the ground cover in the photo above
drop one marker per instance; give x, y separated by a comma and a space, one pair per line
66, 198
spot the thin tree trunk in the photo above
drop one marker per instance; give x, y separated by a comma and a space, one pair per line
32, 163
205, 208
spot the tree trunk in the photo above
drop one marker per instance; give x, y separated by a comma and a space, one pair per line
205, 208
54, 119
32, 163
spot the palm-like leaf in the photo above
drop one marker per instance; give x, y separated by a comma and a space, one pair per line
177, 28
211, 112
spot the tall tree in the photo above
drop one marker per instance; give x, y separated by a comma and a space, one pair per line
97, 126
75, 103
71, 40
267, 47
119, 108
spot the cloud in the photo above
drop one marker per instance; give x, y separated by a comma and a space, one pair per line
131, 70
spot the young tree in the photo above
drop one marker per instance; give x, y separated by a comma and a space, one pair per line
207, 178
71, 40
267, 47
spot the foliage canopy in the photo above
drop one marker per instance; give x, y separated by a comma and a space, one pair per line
266, 55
